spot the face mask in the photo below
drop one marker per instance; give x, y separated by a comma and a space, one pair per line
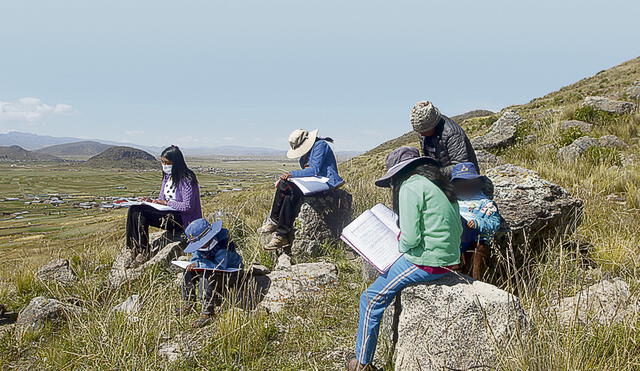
166, 169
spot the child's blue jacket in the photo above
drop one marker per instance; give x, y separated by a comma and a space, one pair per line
485, 213
223, 257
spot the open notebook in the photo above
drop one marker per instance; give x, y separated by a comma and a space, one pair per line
184, 264
127, 203
374, 235
311, 184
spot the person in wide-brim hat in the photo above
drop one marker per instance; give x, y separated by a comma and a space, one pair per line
429, 240
318, 165
214, 268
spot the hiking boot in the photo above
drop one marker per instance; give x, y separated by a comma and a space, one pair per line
277, 242
185, 309
269, 226
202, 321
354, 365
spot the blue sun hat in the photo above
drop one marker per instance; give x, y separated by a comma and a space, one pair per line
200, 232
465, 170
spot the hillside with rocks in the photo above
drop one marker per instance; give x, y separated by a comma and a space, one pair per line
17, 154
75, 150
562, 293
123, 158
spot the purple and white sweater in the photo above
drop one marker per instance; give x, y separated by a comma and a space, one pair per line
187, 200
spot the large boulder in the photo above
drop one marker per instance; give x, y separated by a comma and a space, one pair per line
454, 323
487, 160
120, 274
534, 210
501, 134
609, 105
290, 282
573, 151
57, 270
603, 303
320, 221
633, 91
41, 309
611, 141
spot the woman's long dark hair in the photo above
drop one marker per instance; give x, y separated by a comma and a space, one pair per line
429, 171
179, 168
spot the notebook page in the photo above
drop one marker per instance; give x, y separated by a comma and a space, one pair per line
387, 216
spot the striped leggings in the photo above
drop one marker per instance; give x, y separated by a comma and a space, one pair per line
377, 297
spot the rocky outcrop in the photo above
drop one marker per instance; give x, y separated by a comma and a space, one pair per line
611, 141
534, 210
633, 91
501, 134
585, 127
573, 151
320, 221
41, 309
487, 160
604, 303
289, 282
609, 105
454, 323
120, 275
56, 271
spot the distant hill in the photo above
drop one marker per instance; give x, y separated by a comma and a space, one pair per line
17, 153
76, 150
123, 158
32, 142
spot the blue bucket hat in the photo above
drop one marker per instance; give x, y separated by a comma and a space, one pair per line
200, 232
465, 170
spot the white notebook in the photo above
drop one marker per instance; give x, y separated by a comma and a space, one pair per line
374, 235
311, 184
155, 206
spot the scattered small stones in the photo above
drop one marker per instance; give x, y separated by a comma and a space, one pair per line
130, 306
181, 346
609, 105
501, 134
585, 127
57, 270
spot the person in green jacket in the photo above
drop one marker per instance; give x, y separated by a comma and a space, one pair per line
430, 231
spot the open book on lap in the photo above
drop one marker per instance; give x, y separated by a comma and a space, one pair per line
374, 235
311, 184
184, 264
127, 203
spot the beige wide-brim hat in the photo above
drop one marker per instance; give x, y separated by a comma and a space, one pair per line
301, 142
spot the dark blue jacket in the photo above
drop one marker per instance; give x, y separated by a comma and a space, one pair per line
321, 162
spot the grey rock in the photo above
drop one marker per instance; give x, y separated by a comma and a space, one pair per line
57, 270
297, 281
629, 159
41, 309
454, 323
609, 105
585, 127
604, 303
528, 139
501, 134
534, 210
611, 141
573, 151
487, 160
284, 262
120, 275
320, 221
131, 305
634, 91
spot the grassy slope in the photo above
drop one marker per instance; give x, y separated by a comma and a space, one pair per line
318, 333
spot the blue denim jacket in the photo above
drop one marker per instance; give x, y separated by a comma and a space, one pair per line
320, 162
223, 257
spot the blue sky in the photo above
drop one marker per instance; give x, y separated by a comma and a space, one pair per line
205, 73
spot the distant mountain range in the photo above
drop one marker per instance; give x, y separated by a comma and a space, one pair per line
76, 148
17, 153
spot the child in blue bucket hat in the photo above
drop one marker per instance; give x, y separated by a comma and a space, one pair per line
480, 218
214, 269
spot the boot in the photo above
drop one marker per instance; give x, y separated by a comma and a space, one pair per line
480, 261
354, 365
277, 242
269, 226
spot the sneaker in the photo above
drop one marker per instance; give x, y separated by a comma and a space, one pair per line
269, 226
354, 365
202, 321
185, 309
277, 242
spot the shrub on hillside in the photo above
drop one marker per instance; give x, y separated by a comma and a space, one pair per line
597, 155
594, 116
567, 136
